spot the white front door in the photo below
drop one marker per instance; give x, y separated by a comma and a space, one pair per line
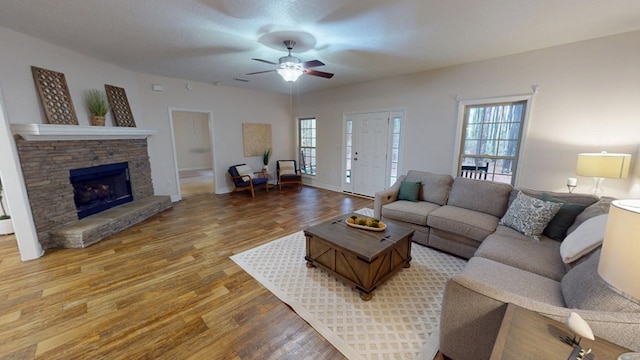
369, 145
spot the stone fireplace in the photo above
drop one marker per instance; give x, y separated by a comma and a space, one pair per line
50, 164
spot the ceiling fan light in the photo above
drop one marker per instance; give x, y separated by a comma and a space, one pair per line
290, 71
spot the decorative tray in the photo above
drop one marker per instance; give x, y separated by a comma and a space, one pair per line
380, 225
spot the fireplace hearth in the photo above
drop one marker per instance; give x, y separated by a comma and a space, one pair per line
99, 188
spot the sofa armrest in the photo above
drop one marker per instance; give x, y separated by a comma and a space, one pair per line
385, 197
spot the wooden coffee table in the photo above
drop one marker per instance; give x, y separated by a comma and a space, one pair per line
362, 258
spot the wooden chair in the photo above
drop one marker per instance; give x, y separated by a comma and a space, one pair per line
475, 172
241, 179
288, 173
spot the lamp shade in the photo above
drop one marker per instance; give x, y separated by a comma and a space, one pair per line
619, 266
603, 165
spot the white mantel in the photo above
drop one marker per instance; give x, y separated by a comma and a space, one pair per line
51, 132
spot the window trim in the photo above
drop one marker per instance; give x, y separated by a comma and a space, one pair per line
463, 103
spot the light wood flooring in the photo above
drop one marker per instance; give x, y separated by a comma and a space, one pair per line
166, 288
196, 182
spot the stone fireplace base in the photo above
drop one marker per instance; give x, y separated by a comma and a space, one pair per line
94, 228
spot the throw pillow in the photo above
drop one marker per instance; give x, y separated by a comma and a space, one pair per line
409, 191
245, 170
558, 226
587, 237
287, 168
583, 288
529, 215
598, 208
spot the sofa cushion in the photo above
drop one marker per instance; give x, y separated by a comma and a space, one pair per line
435, 187
509, 284
558, 226
509, 247
479, 195
409, 211
409, 191
529, 215
598, 208
583, 288
472, 224
586, 238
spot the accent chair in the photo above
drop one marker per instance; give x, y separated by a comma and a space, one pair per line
288, 173
244, 178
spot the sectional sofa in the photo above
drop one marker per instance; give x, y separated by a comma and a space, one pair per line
552, 273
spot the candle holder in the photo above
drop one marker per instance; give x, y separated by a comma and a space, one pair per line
572, 183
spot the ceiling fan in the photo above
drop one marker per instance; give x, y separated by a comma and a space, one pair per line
291, 67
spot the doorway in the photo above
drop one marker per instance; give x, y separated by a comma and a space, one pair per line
193, 148
371, 151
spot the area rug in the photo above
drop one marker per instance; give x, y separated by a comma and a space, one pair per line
400, 322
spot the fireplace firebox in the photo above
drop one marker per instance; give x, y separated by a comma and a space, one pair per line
99, 188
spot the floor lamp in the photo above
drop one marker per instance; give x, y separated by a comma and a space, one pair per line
603, 165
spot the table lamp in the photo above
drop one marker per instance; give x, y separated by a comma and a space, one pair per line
603, 165
619, 266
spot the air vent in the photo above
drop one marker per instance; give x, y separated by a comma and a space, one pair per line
241, 80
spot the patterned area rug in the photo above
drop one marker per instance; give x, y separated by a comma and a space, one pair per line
400, 322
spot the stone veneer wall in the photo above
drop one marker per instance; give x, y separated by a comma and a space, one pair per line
46, 165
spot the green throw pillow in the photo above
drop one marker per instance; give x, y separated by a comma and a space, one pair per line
409, 191
558, 226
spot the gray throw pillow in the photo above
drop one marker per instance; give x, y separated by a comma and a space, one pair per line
409, 191
529, 215
583, 288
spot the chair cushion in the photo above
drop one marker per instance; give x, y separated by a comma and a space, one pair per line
259, 181
409, 191
586, 238
409, 211
529, 215
468, 223
583, 288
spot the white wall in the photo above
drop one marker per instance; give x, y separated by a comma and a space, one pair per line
230, 107
587, 102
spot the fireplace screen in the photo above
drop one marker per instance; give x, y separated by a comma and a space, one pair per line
99, 188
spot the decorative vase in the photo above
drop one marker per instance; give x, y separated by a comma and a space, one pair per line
97, 120
6, 227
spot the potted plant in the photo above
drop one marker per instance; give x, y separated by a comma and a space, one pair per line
96, 102
265, 159
6, 226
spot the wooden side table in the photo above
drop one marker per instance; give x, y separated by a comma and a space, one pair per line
525, 334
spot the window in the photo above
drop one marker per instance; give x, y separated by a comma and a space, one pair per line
395, 149
349, 147
491, 135
307, 141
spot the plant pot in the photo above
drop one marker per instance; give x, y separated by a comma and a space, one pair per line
6, 227
97, 120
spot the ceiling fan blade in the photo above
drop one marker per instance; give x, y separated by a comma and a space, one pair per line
259, 72
265, 61
312, 63
318, 73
